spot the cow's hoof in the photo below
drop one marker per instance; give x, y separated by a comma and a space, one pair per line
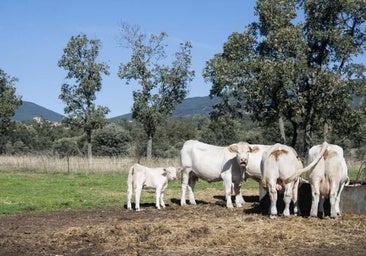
272, 216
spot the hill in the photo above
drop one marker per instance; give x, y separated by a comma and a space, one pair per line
28, 110
188, 108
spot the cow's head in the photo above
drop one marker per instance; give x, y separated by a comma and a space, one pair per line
171, 173
242, 150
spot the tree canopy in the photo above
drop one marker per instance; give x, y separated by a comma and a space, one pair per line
163, 85
9, 102
294, 67
80, 62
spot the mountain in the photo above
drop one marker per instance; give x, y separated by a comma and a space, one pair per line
195, 106
188, 108
28, 110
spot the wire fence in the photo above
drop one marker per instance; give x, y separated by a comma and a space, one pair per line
79, 164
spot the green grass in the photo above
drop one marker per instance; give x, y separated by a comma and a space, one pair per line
22, 191
32, 191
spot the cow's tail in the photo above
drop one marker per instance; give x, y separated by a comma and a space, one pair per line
310, 166
130, 181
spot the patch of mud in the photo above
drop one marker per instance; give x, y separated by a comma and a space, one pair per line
204, 229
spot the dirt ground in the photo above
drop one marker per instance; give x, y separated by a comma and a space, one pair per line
207, 228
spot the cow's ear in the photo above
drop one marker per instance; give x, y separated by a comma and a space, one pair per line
254, 149
233, 148
165, 172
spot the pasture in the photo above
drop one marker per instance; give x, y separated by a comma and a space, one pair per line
47, 212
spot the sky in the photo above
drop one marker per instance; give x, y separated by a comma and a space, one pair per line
35, 32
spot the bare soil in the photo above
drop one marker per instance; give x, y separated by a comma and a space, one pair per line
207, 228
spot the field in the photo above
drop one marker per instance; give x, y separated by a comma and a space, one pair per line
85, 214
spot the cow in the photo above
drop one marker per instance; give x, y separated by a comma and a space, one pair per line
279, 163
213, 163
253, 168
327, 179
140, 177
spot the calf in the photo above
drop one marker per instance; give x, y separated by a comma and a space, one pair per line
144, 177
279, 163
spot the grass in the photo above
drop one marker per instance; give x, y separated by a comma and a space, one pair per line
40, 191
29, 191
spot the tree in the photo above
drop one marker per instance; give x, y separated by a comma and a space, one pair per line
298, 75
163, 86
112, 140
80, 62
9, 102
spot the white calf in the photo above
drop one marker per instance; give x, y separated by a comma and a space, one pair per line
144, 177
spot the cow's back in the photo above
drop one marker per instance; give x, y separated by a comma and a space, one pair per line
253, 168
334, 162
206, 161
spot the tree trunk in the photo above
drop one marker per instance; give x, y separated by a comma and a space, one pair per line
149, 148
294, 134
308, 130
282, 129
90, 156
326, 131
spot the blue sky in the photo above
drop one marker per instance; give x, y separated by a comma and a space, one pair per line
34, 33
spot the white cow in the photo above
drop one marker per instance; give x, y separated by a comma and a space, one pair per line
279, 163
253, 168
213, 163
144, 177
327, 179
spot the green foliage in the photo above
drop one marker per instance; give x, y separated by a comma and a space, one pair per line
112, 140
66, 147
8, 104
163, 86
79, 60
298, 72
170, 137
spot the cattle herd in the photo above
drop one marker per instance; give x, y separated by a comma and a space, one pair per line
277, 168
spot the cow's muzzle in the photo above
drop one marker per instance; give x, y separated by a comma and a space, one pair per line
243, 162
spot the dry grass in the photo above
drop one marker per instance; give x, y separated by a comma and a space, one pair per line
77, 164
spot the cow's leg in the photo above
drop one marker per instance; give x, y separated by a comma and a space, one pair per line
338, 209
333, 198
239, 200
158, 196
162, 196
315, 194
184, 184
262, 191
321, 207
273, 198
287, 198
129, 197
226, 177
137, 197
191, 184
295, 200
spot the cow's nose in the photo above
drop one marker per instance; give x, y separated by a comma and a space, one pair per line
244, 162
